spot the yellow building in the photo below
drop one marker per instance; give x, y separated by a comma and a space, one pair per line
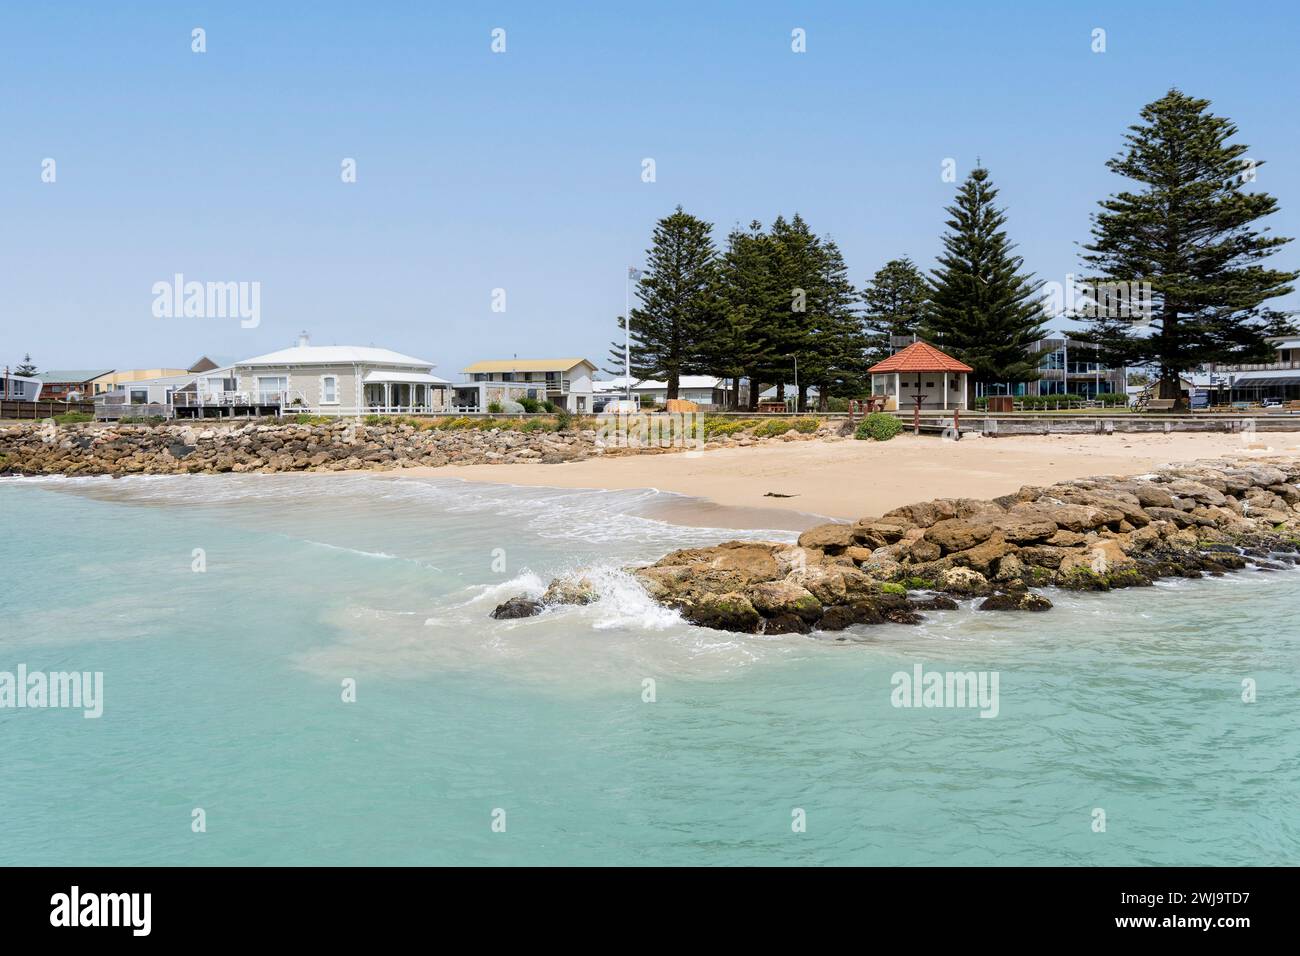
119, 377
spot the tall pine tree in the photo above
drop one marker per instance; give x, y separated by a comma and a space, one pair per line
740, 345
983, 309
1188, 231
798, 264
835, 357
678, 296
895, 303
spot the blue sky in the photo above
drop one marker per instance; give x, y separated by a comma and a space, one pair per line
522, 170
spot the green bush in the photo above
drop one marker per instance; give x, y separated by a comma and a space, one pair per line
563, 420
495, 408
530, 404
74, 418
718, 426
550, 406
878, 427
312, 419
141, 420
779, 426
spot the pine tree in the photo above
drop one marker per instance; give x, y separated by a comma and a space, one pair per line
678, 300
797, 264
1188, 232
983, 309
896, 301
836, 354
739, 345
26, 367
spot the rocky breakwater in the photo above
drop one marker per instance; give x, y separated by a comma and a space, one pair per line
99, 449
1089, 534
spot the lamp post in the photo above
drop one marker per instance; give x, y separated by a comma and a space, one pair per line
632, 273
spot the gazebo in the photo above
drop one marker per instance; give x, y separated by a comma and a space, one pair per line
921, 372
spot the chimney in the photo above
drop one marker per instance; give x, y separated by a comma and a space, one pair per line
304, 339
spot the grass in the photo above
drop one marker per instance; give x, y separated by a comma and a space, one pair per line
73, 418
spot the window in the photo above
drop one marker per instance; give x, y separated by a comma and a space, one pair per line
507, 376
139, 396
270, 388
329, 389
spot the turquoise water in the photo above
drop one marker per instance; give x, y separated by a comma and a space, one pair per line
222, 691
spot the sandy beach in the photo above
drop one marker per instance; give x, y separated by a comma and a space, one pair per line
850, 479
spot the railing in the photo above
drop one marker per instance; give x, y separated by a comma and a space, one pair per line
225, 399
1257, 367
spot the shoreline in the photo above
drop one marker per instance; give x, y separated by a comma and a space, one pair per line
843, 480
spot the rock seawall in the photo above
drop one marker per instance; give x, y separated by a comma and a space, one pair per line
1087, 534
337, 446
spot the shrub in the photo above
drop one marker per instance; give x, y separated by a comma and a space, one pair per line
312, 419
141, 420
717, 426
779, 426
878, 427
550, 406
494, 408
530, 404
74, 418
563, 420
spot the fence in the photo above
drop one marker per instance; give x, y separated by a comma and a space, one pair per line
37, 410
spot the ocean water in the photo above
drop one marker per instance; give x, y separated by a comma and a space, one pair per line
223, 692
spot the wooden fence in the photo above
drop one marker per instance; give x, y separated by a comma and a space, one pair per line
37, 410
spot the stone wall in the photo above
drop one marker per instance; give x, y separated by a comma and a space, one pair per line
99, 449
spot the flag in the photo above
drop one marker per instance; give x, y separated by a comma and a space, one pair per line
633, 272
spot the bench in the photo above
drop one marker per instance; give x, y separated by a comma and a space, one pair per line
1160, 404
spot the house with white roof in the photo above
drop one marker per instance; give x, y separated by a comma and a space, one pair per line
707, 391
314, 379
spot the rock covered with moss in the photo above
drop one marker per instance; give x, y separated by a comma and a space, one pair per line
1090, 534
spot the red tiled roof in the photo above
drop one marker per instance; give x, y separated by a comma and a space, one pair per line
920, 357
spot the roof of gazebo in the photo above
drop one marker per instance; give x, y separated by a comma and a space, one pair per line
919, 357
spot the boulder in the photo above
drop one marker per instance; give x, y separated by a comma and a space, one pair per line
570, 591
724, 612
962, 581
776, 598
832, 537
517, 607
1015, 601
957, 534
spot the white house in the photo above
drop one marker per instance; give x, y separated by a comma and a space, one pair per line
707, 391
19, 388
315, 379
565, 381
